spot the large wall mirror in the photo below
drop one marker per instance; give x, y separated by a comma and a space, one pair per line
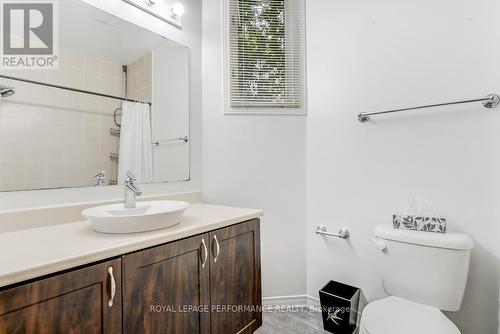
119, 101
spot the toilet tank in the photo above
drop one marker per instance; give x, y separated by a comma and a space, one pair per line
425, 267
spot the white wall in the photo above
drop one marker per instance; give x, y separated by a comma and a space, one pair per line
367, 56
255, 161
190, 36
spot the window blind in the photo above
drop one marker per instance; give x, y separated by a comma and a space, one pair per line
266, 53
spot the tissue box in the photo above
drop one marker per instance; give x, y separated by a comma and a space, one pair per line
427, 224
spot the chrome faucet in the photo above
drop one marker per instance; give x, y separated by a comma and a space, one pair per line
102, 180
131, 191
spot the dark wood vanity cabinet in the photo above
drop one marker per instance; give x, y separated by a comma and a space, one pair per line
79, 301
208, 283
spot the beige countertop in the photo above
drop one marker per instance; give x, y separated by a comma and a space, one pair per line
34, 252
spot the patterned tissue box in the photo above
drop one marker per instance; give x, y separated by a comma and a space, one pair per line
427, 224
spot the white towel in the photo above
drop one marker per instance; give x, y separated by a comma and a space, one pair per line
136, 151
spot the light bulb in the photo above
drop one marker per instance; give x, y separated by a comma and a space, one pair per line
177, 10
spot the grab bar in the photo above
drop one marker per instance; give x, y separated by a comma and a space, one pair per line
490, 101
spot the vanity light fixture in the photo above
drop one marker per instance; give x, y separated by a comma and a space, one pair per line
160, 9
177, 10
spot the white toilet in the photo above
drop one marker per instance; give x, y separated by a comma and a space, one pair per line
423, 272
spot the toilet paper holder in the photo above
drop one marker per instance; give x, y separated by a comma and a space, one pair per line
343, 233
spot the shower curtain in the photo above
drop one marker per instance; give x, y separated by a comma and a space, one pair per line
136, 151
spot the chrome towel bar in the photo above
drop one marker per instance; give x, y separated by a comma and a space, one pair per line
490, 101
184, 139
343, 233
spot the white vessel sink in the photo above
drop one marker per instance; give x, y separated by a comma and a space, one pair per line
146, 216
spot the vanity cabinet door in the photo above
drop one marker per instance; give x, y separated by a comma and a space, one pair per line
235, 280
79, 301
162, 286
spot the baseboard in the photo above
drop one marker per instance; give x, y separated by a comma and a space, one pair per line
297, 300
290, 300
313, 301
285, 300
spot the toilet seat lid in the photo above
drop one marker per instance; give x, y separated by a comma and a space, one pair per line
393, 315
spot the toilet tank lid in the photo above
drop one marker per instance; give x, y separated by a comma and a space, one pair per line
430, 239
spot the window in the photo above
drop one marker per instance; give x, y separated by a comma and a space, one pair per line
265, 57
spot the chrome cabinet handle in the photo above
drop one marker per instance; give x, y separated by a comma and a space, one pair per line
205, 250
216, 256
113, 286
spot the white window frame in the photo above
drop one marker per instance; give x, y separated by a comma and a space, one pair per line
285, 111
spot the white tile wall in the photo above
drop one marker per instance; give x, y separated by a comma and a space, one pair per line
55, 138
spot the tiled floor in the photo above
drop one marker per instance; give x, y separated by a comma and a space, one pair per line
302, 322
